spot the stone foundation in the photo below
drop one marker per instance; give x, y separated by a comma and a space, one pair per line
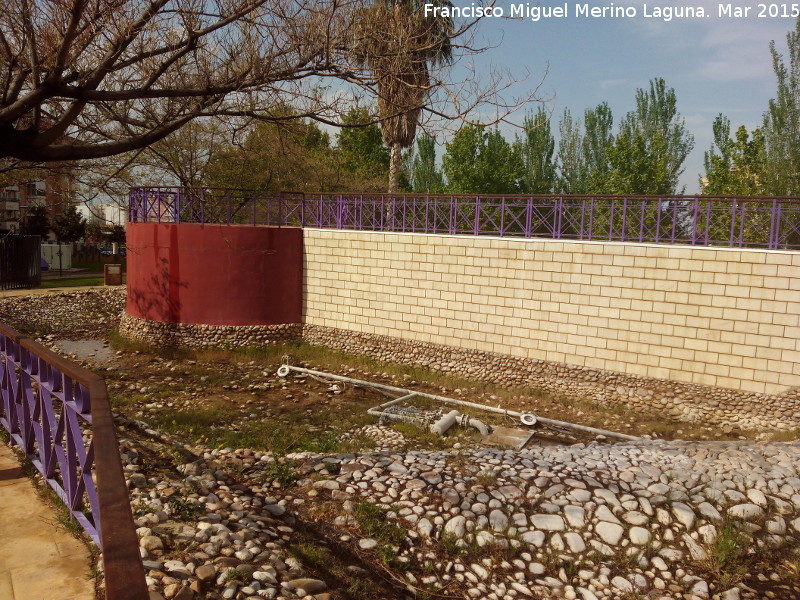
191, 335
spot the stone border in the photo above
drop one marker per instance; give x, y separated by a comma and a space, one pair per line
205, 336
686, 402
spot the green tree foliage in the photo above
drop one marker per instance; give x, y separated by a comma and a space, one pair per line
69, 226
734, 167
535, 149
36, 222
782, 122
293, 155
478, 161
425, 177
361, 148
652, 144
598, 141
117, 234
94, 231
571, 162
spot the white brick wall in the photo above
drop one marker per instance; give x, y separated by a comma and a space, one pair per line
723, 317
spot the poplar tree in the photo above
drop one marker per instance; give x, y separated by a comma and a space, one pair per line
652, 144
426, 178
782, 122
734, 166
571, 162
536, 153
598, 141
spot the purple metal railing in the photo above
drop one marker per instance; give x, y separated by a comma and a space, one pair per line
755, 222
59, 415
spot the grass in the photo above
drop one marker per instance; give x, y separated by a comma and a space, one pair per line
183, 509
224, 428
727, 554
73, 282
282, 472
310, 554
790, 435
96, 266
373, 522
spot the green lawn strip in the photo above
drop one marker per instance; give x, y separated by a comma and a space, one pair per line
73, 282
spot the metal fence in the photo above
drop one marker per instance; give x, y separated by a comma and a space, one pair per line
20, 261
752, 222
59, 415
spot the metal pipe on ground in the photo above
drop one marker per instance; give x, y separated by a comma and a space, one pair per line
446, 422
284, 370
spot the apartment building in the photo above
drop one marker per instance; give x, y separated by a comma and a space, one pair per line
52, 190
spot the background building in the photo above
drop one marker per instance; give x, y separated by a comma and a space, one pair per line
53, 190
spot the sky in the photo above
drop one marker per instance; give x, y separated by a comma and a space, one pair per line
715, 64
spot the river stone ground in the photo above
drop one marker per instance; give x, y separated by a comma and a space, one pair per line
648, 519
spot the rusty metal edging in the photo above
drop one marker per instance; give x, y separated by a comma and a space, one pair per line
122, 564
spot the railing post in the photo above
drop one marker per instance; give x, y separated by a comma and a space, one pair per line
451, 224
502, 216
611, 219
774, 225
674, 220
643, 217
733, 222
658, 219
558, 217
624, 218
741, 224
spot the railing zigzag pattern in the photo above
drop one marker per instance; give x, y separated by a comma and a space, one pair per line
59, 415
752, 222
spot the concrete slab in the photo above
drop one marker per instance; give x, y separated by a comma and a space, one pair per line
39, 559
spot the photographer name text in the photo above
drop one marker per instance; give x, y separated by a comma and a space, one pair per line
538, 12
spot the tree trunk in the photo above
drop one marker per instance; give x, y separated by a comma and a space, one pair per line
395, 160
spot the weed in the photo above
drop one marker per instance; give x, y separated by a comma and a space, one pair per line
309, 554
449, 543
623, 562
231, 575
68, 522
140, 509
418, 434
486, 478
727, 553
184, 509
119, 342
357, 443
387, 553
282, 472
790, 435
372, 520
188, 420
358, 588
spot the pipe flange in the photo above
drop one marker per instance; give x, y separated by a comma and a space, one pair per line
528, 419
283, 370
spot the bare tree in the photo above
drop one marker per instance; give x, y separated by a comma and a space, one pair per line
84, 79
87, 79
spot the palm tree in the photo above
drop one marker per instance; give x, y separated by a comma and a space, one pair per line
399, 45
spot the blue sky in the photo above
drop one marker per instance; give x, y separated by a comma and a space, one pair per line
714, 64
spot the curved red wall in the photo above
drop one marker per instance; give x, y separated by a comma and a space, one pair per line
215, 274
